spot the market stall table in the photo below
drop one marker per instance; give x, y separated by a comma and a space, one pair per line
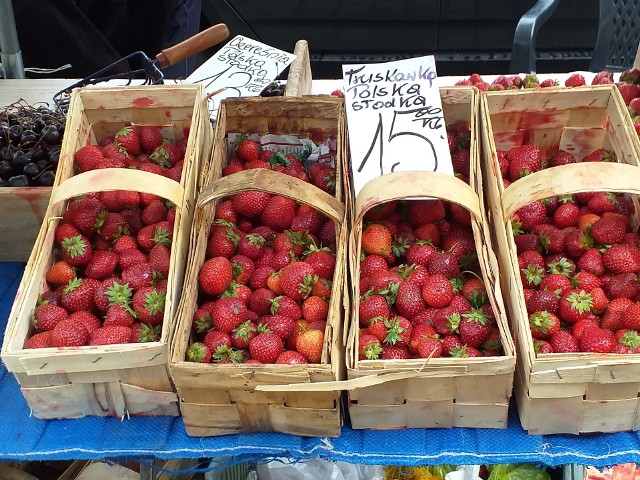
24, 437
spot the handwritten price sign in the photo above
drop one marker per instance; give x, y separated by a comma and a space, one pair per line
242, 68
395, 119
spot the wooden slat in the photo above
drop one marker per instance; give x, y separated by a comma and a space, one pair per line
307, 422
480, 415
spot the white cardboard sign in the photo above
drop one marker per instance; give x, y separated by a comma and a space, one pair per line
242, 68
395, 119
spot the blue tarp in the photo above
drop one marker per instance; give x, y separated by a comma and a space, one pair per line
23, 437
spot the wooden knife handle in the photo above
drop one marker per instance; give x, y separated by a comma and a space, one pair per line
199, 42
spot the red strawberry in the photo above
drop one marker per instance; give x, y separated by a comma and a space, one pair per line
609, 230
227, 313
291, 357
250, 204
602, 202
39, 340
578, 328
551, 238
543, 324
260, 277
315, 309
597, 340
198, 352
78, 294
600, 300
409, 300
266, 347
437, 291
390, 352
376, 239
622, 258
215, 275
279, 324
417, 333
119, 314
88, 157
444, 264
142, 333
586, 281
47, 316
591, 262
621, 286
602, 78
523, 160
563, 342
150, 137
531, 215
322, 261
420, 253
65, 230
138, 275
425, 211
567, 215
369, 348
155, 212
111, 335
528, 241
159, 259
242, 335
248, 150
76, 250
629, 91
474, 328
60, 273
541, 301
381, 212
129, 139
561, 157
574, 80
542, 346
574, 305
429, 347
217, 341
101, 265
577, 243
372, 306
151, 235
631, 317
531, 266
323, 177
69, 333
278, 213
298, 279
149, 303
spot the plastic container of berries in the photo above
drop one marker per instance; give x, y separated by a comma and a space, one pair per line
261, 317
562, 180
429, 345
90, 327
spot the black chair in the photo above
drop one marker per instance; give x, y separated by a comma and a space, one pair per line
616, 43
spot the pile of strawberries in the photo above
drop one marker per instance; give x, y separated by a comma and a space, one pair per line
265, 287
421, 289
108, 282
141, 147
628, 85
579, 262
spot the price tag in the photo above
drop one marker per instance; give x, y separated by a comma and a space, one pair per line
395, 119
242, 68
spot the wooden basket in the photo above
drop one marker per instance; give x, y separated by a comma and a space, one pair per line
439, 392
299, 78
116, 379
561, 393
224, 399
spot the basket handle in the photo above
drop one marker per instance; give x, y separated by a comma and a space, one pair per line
401, 185
275, 183
199, 42
569, 179
118, 179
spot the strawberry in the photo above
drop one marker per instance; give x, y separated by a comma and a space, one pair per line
142, 333
47, 316
250, 204
278, 213
266, 347
88, 157
560, 157
597, 340
591, 262
600, 300
381, 212
101, 265
242, 335
129, 139
310, 221
420, 253
543, 324
323, 177
542, 301
78, 294
150, 137
437, 291
372, 306
283, 305
76, 250
248, 150
528, 241
602, 202
392, 352
112, 226
39, 340
574, 80
222, 241
110, 335
138, 276
549, 82
69, 333
227, 313
531, 215
159, 259
125, 242
629, 91
551, 238
425, 211
291, 357
60, 273
298, 279
630, 76
117, 200
532, 270
376, 239
444, 264
322, 261
310, 345
586, 281
119, 314
151, 235
409, 300
148, 303
523, 160
215, 275
602, 78
465, 352
198, 352
65, 230
631, 317
542, 346
474, 328
314, 309
563, 342
398, 331
567, 215
260, 277
577, 243
369, 348
621, 286
216, 341
417, 332
574, 305
429, 347
155, 212
622, 258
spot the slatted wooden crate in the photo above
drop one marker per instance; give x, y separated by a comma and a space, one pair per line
561, 393
439, 392
224, 399
117, 379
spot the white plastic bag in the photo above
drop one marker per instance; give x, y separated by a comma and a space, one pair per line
317, 468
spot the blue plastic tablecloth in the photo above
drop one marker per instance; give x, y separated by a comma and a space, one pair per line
23, 437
